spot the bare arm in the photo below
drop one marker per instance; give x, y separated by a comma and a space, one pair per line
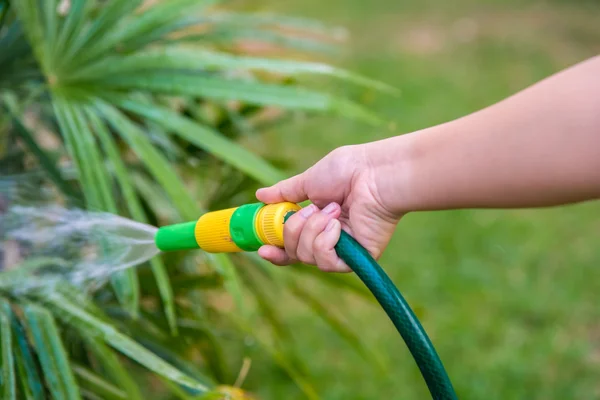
540, 147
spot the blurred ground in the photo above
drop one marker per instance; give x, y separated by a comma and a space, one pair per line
510, 298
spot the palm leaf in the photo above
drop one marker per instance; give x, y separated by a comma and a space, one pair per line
70, 132
109, 16
51, 27
152, 159
28, 13
7, 374
207, 139
221, 89
87, 324
135, 209
114, 368
163, 14
198, 59
93, 384
172, 184
45, 160
95, 182
53, 358
281, 21
106, 65
31, 383
69, 29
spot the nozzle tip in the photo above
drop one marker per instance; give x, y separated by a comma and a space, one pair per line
176, 237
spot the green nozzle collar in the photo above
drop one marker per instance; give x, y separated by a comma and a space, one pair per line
176, 237
242, 228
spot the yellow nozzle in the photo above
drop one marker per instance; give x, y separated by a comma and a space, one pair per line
244, 228
212, 232
270, 220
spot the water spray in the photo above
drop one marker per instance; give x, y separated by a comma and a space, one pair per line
248, 227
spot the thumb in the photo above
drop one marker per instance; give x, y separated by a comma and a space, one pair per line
292, 189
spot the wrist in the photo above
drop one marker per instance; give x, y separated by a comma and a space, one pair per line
391, 164
410, 170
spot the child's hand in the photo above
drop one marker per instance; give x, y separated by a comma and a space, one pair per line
344, 193
540, 147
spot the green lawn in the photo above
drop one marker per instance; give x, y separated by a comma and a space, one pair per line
509, 298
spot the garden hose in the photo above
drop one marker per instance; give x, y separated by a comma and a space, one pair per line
250, 226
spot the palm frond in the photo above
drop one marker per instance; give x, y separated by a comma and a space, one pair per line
109, 79
28, 373
7, 376
54, 360
89, 324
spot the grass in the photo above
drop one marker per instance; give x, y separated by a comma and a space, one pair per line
510, 298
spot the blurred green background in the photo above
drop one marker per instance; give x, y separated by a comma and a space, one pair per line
509, 298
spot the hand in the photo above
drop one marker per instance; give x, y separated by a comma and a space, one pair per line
343, 188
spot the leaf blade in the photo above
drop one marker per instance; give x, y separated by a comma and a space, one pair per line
154, 161
207, 139
95, 182
27, 12
152, 19
7, 377
91, 382
90, 324
110, 15
53, 357
194, 59
29, 376
68, 129
45, 160
217, 88
114, 367
160, 168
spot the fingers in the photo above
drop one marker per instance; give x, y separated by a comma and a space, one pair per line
311, 229
275, 255
292, 189
310, 237
293, 229
324, 248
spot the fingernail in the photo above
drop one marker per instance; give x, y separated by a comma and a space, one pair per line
308, 211
330, 208
330, 225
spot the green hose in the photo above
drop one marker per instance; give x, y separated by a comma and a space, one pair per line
247, 227
405, 321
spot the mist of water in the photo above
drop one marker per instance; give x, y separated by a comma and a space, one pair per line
92, 245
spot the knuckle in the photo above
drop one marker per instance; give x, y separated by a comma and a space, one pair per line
290, 248
320, 244
341, 151
316, 222
305, 253
293, 226
346, 152
305, 258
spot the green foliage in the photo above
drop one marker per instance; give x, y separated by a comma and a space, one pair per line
136, 98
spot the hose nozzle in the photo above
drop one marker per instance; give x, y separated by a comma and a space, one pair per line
244, 228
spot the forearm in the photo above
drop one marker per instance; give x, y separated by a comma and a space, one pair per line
540, 147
